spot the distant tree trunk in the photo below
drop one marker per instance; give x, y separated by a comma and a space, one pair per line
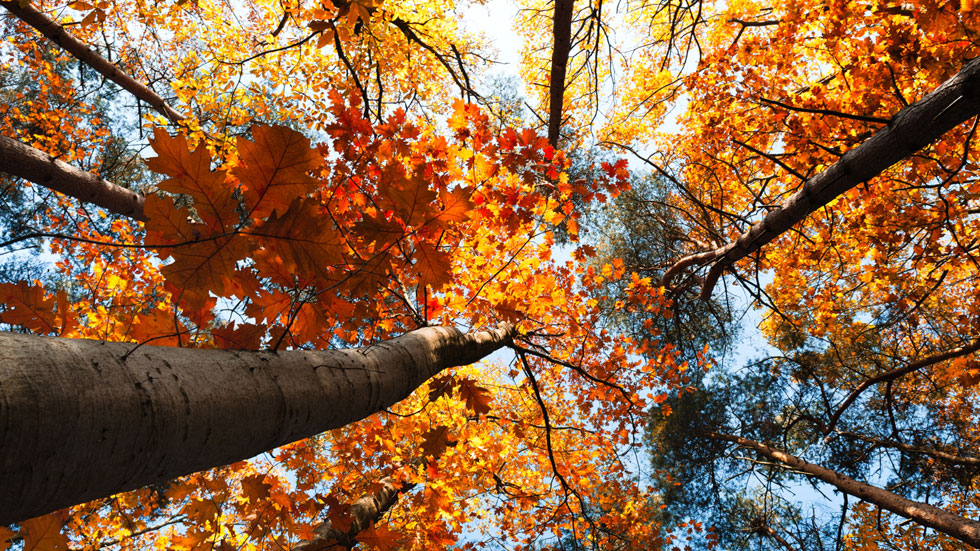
953, 525
36, 166
561, 45
82, 419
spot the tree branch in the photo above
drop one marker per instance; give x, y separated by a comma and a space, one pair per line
57, 34
36, 166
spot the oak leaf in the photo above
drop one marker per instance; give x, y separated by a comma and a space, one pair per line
275, 169
44, 533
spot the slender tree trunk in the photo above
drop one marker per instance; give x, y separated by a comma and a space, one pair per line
911, 129
562, 33
57, 34
81, 419
364, 512
36, 166
953, 525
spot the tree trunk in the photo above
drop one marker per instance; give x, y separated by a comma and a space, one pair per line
82, 419
57, 34
36, 166
562, 33
911, 129
953, 525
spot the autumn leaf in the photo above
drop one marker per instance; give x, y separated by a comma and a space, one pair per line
434, 441
29, 306
44, 533
190, 173
300, 240
380, 537
477, 398
6, 537
255, 488
433, 265
275, 169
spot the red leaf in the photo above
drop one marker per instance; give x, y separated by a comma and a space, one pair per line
275, 169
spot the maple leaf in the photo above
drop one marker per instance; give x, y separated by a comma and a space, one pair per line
241, 336
275, 169
381, 537
456, 206
190, 173
477, 398
44, 533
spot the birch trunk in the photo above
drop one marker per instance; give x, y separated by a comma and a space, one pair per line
81, 420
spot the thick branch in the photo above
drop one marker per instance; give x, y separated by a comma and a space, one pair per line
38, 167
896, 373
56, 33
81, 419
911, 129
953, 525
562, 31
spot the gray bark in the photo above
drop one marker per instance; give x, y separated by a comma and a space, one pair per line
57, 34
911, 129
36, 166
81, 420
953, 525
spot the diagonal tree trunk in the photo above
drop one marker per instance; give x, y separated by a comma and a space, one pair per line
911, 129
953, 525
36, 166
57, 34
81, 419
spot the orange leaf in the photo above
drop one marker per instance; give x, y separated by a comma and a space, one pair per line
191, 174
255, 488
432, 265
381, 537
477, 398
28, 305
44, 533
275, 169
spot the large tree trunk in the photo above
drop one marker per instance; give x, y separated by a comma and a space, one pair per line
81, 419
953, 525
911, 129
40, 168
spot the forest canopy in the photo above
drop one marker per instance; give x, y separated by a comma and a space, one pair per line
338, 274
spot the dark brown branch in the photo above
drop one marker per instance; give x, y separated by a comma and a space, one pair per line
940, 455
57, 34
38, 167
911, 129
562, 31
895, 374
953, 525
831, 112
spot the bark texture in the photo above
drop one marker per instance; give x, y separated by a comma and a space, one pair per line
81, 419
364, 512
911, 129
57, 34
562, 33
955, 526
36, 166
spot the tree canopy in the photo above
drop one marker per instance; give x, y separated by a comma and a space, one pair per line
446, 313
